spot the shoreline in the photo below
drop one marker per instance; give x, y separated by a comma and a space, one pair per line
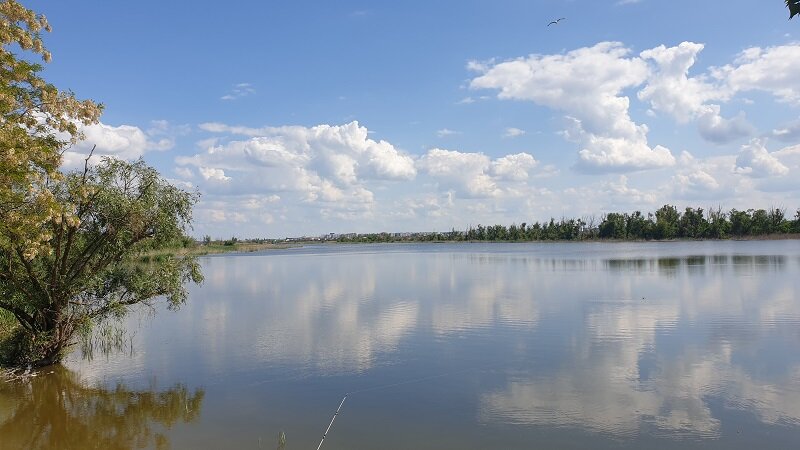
252, 247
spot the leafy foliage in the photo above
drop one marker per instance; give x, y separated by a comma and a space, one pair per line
666, 223
794, 7
87, 269
36, 122
68, 242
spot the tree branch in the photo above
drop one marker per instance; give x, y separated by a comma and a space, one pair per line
31, 275
25, 319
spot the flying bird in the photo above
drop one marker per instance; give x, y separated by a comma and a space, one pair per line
555, 22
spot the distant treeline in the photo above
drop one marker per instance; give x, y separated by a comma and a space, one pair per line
666, 223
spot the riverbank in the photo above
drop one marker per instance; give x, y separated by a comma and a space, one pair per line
366, 239
215, 248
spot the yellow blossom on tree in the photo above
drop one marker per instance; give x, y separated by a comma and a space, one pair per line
34, 118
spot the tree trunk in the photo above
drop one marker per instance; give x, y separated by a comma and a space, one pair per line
52, 357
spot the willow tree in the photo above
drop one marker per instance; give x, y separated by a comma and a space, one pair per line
69, 241
87, 270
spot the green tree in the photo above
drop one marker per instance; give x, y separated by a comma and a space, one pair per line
637, 226
760, 223
795, 226
777, 221
613, 226
718, 226
38, 121
692, 224
740, 222
667, 222
85, 272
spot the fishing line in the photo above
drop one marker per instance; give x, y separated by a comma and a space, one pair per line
331, 424
385, 386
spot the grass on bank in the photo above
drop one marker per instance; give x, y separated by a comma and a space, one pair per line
211, 248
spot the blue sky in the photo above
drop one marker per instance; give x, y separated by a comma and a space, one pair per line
303, 118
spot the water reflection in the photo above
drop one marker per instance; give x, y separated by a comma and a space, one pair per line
629, 346
58, 411
739, 264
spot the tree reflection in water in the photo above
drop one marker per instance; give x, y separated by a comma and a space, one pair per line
58, 410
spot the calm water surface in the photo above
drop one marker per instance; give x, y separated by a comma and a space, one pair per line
471, 346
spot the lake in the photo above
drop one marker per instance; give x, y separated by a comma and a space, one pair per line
447, 346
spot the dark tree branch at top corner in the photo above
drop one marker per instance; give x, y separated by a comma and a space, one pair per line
794, 7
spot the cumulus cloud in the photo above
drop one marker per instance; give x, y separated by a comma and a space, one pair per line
342, 153
513, 167
333, 168
513, 132
210, 173
672, 91
693, 177
123, 141
465, 172
756, 161
587, 84
338, 174
184, 172
620, 190
771, 69
669, 88
475, 175
715, 128
620, 154
428, 205
788, 132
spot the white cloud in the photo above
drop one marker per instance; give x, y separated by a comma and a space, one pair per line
715, 128
754, 160
343, 153
619, 154
512, 132
325, 172
475, 175
670, 90
513, 167
444, 132
771, 69
693, 177
428, 205
210, 173
467, 172
788, 132
184, 172
126, 142
620, 191
238, 91
587, 84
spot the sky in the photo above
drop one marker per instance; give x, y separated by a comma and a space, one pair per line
304, 118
